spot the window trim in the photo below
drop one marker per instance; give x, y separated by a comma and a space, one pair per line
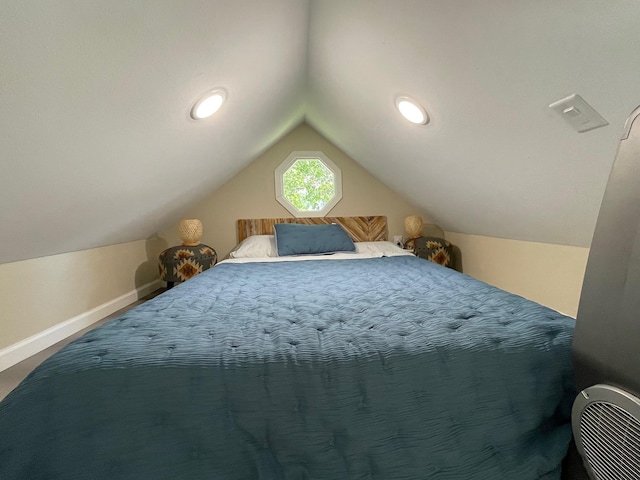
306, 155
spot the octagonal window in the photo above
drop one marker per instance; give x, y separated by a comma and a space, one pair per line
308, 184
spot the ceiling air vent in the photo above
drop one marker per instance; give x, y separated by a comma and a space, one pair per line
606, 426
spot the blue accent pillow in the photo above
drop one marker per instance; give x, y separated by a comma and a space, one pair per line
297, 239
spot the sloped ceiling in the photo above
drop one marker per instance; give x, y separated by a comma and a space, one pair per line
98, 148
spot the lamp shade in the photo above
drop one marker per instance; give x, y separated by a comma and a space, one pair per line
413, 226
190, 231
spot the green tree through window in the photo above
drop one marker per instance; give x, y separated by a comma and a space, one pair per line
308, 184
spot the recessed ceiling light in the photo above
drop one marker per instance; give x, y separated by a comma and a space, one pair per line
208, 104
412, 110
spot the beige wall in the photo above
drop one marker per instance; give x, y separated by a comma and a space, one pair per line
548, 274
251, 194
39, 293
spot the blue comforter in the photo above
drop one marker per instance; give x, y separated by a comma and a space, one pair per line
387, 368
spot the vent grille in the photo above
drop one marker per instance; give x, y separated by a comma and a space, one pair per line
611, 441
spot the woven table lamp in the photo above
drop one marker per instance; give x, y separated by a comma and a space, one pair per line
190, 231
413, 226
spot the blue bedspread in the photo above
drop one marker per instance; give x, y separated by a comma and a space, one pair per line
387, 368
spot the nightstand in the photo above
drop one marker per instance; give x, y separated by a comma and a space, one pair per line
434, 249
180, 263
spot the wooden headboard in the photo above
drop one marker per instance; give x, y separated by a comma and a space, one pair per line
361, 229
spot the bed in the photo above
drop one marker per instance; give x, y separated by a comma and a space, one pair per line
366, 364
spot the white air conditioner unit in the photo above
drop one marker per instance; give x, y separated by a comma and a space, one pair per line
606, 428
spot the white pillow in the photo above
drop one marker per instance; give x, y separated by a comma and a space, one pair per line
255, 246
380, 249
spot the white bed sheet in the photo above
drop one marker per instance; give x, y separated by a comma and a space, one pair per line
363, 250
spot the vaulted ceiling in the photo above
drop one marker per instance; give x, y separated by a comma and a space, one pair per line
97, 146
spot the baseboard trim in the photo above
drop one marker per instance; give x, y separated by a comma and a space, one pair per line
24, 349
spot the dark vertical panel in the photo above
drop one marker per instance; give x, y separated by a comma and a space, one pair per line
607, 337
